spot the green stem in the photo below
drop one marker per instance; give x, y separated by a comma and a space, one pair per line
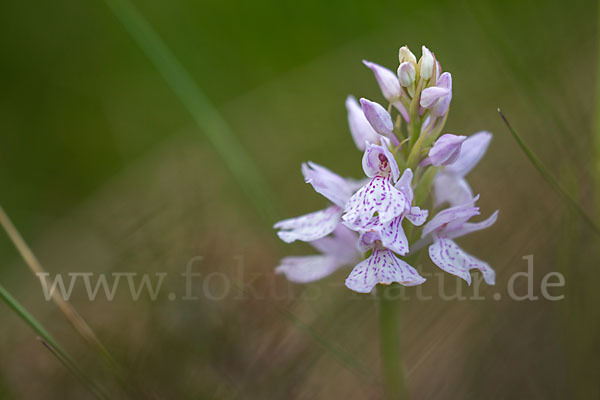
415, 152
391, 355
596, 133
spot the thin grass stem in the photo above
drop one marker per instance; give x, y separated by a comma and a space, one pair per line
57, 350
554, 183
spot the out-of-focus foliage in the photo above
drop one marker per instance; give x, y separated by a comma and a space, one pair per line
104, 171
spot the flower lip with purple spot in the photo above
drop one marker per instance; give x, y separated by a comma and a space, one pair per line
378, 161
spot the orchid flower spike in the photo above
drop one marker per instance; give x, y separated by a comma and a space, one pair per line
369, 215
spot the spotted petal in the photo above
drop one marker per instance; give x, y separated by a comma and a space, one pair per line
309, 227
382, 267
393, 237
417, 216
390, 234
448, 256
378, 196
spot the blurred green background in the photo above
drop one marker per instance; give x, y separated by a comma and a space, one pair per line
104, 170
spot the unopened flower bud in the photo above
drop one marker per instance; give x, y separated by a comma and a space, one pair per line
445, 150
406, 74
426, 63
437, 98
360, 128
405, 55
378, 117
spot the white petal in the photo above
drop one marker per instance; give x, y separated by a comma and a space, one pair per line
448, 256
327, 183
426, 63
432, 94
360, 128
472, 150
404, 185
386, 79
341, 245
469, 227
404, 54
306, 269
382, 267
451, 218
309, 227
406, 74
450, 188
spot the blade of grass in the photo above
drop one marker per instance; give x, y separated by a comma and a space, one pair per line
204, 113
52, 344
554, 183
76, 320
36, 267
520, 73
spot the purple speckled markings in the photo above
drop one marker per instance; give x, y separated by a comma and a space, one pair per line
445, 253
378, 198
382, 267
